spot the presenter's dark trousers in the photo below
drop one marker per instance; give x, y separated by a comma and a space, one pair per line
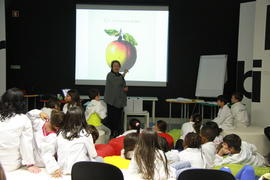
115, 120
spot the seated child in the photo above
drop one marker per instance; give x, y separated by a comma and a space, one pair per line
224, 118
72, 99
192, 151
16, 131
52, 104
95, 112
239, 111
134, 127
208, 135
74, 142
123, 161
149, 162
194, 125
161, 128
219, 138
130, 141
45, 135
238, 152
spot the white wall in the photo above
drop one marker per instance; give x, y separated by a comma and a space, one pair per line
3, 51
245, 43
261, 110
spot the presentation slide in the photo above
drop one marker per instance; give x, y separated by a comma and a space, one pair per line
136, 36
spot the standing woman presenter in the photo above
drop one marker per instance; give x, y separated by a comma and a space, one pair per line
116, 97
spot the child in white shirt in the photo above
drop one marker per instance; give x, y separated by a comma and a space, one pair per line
219, 138
194, 125
192, 151
224, 118
72, 99
45, 135
16, 133
208, 135
95, 112
239, 111
134, 127
74, 142
52, 104
238, 152
149, 162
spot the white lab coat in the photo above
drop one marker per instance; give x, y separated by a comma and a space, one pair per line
130, 131
160, 173
75, 150
16, 142
240, 115
48, 111
44, 145
172, 156
187, 128
98, 107
247, 156
194, 156
224, 118
209, 154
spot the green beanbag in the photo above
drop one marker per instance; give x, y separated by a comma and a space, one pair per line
235, 168
176, 134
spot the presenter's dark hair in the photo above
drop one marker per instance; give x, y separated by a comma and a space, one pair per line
238, 96
12, 102
222, 98
115, 61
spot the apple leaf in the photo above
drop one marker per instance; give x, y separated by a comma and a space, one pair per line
112, 32
130, 39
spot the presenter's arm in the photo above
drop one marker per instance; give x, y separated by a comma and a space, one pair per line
125, 72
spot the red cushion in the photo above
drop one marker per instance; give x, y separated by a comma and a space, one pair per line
168, 137
104, 150
117, 144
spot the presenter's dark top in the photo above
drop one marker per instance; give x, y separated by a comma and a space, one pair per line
114, 91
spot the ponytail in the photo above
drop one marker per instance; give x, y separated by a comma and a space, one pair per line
135, 124
197, 119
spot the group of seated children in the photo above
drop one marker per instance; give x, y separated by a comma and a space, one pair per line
32, 139
55, 140
234, 115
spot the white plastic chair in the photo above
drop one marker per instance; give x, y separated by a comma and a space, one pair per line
135, 108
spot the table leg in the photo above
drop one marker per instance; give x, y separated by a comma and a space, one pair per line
185, 110
154, 112
202, 112
27, 104
170, 110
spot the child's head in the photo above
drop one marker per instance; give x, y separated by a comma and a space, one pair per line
57, 119
146, 153
135, 124
163, 144
53, 103
214, 126
266, 176
236, 97
208, 134
232, 143
94, 132
12, 102
192, 140
73, 97
94, 94
2, 173
130, 142
197, 119
74, 123
161, 126
221, 100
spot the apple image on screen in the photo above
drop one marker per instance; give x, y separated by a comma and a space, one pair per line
122, 49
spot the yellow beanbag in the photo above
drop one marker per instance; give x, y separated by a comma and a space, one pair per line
117, 161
